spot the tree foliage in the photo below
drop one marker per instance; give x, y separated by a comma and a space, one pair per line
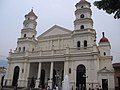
110, 6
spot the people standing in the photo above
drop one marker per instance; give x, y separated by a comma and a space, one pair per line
56, 87
48, 87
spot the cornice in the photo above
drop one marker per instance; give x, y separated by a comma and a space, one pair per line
56, 37
106, 57
82, 10
83, 20
27, 39
84, 32
28, 30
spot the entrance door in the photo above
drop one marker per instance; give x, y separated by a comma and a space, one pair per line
15, 76
118, 83
42, 78
105, 84
80, 78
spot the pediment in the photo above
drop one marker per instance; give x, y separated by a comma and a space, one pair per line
104, 70
55, 30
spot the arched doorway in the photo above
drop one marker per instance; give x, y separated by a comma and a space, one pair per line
80, 77
15, 76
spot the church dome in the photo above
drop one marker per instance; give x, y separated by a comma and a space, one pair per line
104, 39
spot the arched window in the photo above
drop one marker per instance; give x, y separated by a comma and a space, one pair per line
15, 76
78, 43
82, 16
24, 35
33, 36
69, 70
19, 49
82, 27
81, 6
81, 76
33, 49
23, 49
104, 54
85, 43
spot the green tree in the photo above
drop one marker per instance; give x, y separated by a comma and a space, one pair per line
110, 6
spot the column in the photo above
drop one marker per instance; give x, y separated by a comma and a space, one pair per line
25, 69
51, 76
67, 50
51, 43
11, 71
96, 64
27, 73
51, 71
66, 67
22, 80
38, 76
58, 43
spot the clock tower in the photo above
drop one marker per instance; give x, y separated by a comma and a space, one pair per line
28, 33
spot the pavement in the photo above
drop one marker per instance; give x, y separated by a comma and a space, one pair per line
12, 88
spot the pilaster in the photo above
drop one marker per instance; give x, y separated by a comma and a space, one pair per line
38, 76
51, 76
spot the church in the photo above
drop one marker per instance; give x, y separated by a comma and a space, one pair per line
57, 52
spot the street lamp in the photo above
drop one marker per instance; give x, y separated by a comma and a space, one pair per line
58, 82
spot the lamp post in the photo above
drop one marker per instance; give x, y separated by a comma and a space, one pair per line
58, 82
92, 85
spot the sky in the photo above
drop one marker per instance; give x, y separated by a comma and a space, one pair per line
52, 12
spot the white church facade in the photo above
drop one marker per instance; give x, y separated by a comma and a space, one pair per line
59, 52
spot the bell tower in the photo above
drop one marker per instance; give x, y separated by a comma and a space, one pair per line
83, 16
29, 25
84, 34
28, 41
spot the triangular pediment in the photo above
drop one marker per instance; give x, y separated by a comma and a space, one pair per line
104, 70
55, 30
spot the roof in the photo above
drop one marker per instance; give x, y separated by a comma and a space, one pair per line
104, 39
116, 65
82, 2
105, 70
55, 30
31, 13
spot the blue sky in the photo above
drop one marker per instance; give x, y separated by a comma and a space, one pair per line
51, 12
